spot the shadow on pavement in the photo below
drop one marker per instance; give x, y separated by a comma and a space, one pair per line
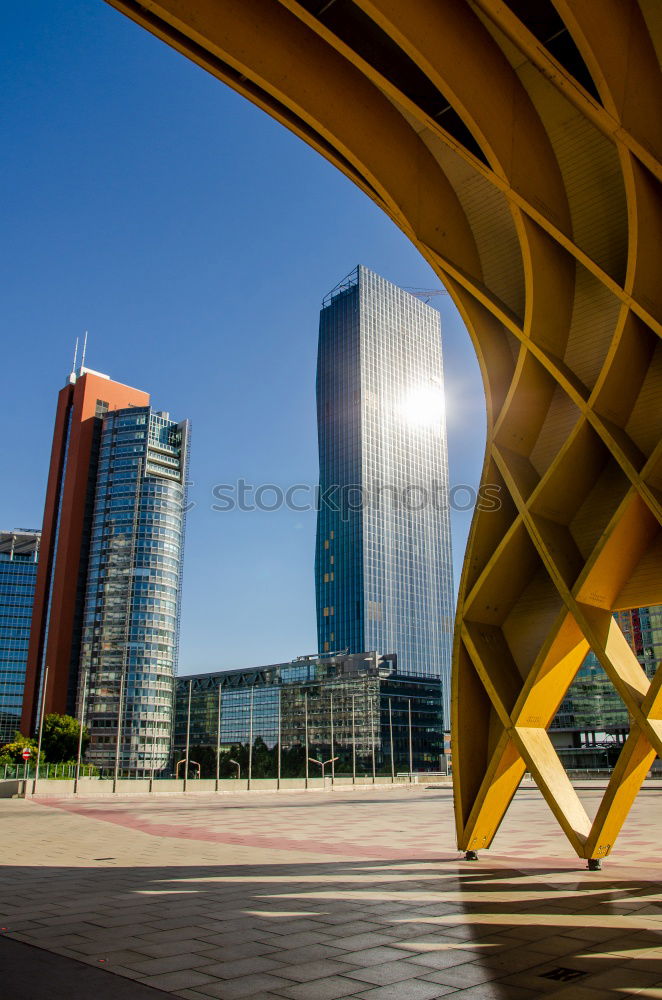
30, 973
491, 933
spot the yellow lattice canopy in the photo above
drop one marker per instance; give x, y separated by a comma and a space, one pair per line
518, 144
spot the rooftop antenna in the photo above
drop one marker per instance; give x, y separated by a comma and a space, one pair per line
82, 359
73, 367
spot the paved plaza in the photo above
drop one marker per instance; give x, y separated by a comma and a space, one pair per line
318, 896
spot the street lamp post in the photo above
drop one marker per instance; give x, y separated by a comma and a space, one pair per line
305, 718
238, 766
390, 733
41, 730
218, 736
119, 732
333, 759
372, 737
80, 730
188, 733
411, 746
353, 739
250, 738
280, 735
322, 763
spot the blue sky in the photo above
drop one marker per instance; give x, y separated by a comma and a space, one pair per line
194, 238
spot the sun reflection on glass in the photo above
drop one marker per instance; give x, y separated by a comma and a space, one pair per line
423, 406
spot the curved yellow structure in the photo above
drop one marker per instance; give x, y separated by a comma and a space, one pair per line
518, 144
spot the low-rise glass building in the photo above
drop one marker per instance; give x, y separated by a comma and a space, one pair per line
19, 555
353, 706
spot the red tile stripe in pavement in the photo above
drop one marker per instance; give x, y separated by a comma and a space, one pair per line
129, 819
521, 856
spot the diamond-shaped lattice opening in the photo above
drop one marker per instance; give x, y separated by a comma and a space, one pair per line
519, 471
519, 425
562, 417
567, 484
591, 724
645, 424
514, 605
599, 507
594, 319
510, 571
493, 518
630, 385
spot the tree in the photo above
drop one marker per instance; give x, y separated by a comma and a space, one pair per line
60, 738
12, 752
205, 757
263, 760
293, 761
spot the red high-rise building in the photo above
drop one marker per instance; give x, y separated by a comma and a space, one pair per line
60, 589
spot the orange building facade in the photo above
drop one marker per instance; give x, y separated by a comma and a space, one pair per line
60, 589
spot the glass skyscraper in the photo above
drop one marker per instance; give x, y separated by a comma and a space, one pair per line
131, 619
19, 555
106, 605
383, 567
57, 621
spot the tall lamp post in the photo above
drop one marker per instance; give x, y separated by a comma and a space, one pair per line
118, 741
188, 733
218, 736
372, 737
41, 730
86, 676
305, 717
250, 739
332, 758
280, 735
353, 739
390, 736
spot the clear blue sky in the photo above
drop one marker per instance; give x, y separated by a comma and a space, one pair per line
194, 238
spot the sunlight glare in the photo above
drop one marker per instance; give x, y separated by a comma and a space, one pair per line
423, 406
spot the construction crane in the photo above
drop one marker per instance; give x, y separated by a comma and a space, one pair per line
425, 293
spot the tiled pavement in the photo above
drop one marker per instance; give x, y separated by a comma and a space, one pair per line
320, 896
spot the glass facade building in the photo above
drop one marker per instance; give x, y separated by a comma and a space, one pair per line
57, 620
132, 601
340, 705
592, 722
383, 568
19, 556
